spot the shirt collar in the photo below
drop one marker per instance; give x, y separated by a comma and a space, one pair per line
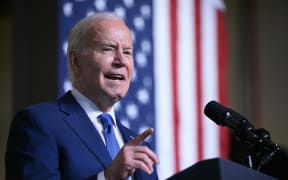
89, 107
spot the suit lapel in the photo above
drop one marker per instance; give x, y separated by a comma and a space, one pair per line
126, 133
80, 123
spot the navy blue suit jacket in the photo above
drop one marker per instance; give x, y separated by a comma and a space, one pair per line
56, 140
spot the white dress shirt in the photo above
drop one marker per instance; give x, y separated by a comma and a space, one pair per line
93, 112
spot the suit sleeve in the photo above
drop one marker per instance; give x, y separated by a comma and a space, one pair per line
31, 151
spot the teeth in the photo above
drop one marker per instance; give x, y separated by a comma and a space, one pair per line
115, 77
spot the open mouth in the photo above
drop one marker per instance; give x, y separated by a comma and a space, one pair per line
115, 76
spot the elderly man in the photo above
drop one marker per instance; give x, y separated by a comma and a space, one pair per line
78, 136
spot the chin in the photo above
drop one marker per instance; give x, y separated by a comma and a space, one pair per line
117, 98
117, 95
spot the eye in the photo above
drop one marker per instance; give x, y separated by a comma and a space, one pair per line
127, 52
107, 48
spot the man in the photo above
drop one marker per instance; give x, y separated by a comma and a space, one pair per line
66, 139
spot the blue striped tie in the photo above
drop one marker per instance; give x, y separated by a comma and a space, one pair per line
111, 142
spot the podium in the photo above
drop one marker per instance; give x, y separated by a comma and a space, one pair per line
219, 169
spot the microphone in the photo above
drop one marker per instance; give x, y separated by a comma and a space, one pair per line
243, 130
258, 140
224, 116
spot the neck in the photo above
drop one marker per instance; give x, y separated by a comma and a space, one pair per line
103, 103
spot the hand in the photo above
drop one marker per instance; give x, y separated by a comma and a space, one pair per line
132, 156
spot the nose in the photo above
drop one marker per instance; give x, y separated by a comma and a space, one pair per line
118, 59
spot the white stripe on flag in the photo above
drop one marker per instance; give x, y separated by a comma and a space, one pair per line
163, 95
186, 84
209, 75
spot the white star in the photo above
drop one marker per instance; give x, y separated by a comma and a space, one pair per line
132, 111
90, 12
145, 11
100, 5
146, 46
64, 47
143, 96
139, 23
141, 59
120, 11
68, 9
128, 3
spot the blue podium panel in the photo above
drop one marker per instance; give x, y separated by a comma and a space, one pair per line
219, 169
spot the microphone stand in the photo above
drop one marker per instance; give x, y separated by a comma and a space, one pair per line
264, 148
260, 148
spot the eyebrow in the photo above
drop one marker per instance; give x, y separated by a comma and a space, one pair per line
111, 44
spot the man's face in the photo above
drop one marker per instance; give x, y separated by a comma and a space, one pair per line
105, 66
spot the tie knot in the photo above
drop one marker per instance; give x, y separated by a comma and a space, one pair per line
106, 121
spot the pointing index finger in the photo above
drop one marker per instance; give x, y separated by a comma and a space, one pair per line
140, 138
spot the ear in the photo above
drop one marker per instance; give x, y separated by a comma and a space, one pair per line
74, 61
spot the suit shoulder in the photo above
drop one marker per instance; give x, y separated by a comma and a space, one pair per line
41, 107
37, 112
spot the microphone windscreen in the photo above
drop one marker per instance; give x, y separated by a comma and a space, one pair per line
216, 112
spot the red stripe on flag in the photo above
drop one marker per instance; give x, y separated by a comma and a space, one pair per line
198, 77
222, 78
174, 67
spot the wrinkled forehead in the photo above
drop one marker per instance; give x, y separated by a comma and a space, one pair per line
110, 28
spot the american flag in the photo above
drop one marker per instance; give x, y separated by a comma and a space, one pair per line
180, 53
